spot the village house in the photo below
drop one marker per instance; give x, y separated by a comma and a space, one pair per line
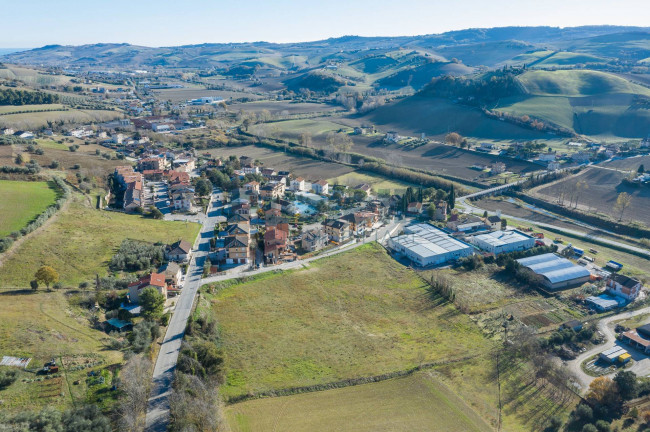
172, 272
377, 207
624, 286
275, 242
441, 211
252, 186
250, 169
337, 230
272, 190
237, 218
152, 163
469, 223
267, 172
237, 251
179, 251
547, 157
414, 208
553, 166
364, 187
314, 240
360, 222
321, 187
298, 184
155, 280
493, 222
184, 165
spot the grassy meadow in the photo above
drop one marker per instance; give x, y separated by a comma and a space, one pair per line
80, 241
412, 403
43, 325
356, 314
22, 201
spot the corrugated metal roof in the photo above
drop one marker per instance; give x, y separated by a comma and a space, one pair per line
554, 268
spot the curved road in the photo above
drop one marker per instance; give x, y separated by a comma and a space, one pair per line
610, 340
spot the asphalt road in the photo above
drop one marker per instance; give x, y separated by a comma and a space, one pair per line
158, 411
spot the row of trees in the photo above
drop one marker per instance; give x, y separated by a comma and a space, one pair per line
11, 96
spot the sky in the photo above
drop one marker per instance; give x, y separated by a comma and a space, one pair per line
181, 22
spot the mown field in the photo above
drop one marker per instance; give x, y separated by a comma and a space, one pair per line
185, 94
282, 108
413, 403
22, 201
604, 187
437, 158
43, 325
81, 240
308, 168
356, 314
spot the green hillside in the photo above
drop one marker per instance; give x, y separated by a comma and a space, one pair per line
437, 116
577, 83
587, 102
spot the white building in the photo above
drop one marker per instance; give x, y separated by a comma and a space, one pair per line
321, 187
503, 241
298, 184
426, 245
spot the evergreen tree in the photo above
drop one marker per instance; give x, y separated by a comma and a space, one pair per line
451, 199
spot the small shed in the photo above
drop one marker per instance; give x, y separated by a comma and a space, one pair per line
119, 325
615, 354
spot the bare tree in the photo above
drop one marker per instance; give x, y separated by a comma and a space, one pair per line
135, 383
195, 404
305, 139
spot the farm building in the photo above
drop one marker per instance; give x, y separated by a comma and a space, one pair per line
603, 302
624, 286
503, 241
557, 272
426, 245
639, 338
615, 354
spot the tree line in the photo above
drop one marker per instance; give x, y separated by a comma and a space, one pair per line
22, 97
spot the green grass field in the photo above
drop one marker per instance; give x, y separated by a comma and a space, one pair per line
22, 201
356, 314
81, 240
43, 325
378, 183
413, 403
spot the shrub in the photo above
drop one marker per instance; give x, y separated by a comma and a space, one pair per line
136, 256
7, 377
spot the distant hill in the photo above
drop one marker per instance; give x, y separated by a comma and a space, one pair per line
473, 47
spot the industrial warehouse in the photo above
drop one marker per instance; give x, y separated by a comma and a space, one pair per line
426, 245
498, 242
557, 272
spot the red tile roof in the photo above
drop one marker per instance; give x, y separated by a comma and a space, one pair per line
153, 279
